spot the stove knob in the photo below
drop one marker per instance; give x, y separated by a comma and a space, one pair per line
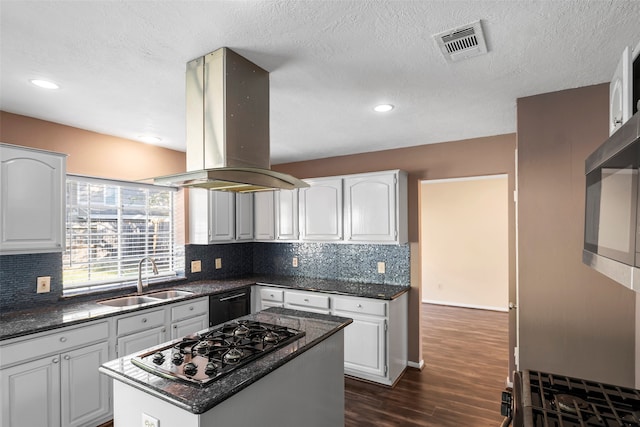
177, 358
190, 369
210, 369
158, 358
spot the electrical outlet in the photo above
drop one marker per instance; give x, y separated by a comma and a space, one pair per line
44, 284
196, 266
218, 263
294, 262
149, 421
381, 267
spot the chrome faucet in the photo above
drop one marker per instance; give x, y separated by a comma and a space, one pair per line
155, 271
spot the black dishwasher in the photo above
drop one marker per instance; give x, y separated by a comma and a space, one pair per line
229, 305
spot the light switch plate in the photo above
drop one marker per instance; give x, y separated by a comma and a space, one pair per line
218, 263
196, 266
295, 261
381, 267
149, 421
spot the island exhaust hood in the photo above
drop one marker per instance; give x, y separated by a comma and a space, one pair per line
227, 112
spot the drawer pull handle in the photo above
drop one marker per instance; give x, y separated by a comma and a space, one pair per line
144, 320
63, 339
175, 326
272, 296
306, 300
359, 305
191, 308
55, 360
67, 357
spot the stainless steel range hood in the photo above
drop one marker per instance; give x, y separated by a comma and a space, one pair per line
228, 127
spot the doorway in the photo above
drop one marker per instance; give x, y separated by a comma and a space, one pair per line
465, 242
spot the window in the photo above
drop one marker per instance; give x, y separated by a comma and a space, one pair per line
111, 226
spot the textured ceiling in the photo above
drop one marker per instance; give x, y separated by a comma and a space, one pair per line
120, 64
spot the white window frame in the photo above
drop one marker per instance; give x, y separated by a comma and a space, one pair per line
124, 270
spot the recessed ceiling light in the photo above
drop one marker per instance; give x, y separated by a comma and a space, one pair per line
383, 108
150, 139
45, 84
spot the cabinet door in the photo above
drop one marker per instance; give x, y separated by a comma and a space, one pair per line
133, 343
287, 214
264, 221
222, 216
189, 326
30, 394
321, 210
84, 392
620, 93
244, 216
370, 208
32, 205
365, 344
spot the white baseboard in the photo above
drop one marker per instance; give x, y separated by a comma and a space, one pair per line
417, 365
455, 304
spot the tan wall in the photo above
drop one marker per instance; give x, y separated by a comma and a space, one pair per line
465, 242
474, 157
92, 153
573, 320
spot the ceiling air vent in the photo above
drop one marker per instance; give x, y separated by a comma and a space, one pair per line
462, 42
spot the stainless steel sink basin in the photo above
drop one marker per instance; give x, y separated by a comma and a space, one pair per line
172, 293
129, 301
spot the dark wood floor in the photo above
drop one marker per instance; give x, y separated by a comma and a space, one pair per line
465, 353
466, 364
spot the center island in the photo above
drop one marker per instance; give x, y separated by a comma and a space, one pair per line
299, 383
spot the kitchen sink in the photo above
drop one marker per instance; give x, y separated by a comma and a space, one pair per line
129, 301
169, 294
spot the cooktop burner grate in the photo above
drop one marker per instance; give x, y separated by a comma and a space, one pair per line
560, 401
203, 358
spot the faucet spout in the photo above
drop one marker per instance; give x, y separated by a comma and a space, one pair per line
153, 266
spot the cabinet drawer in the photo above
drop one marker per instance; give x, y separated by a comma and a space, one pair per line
307, 299
53, 343
140, 322
360, 305
189, 309
272, 295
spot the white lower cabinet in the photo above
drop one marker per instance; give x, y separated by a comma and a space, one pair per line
85, 392
268, 297
375, 344
138, 331
62, 385
314, 302
189, 317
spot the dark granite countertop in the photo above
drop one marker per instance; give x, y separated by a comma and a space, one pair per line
198, 400
24, 322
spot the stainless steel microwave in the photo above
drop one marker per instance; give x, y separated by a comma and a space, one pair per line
612, 210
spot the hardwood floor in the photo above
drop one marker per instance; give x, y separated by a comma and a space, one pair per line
465, 353
466, 363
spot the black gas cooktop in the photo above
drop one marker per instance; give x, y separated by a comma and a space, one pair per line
205, 357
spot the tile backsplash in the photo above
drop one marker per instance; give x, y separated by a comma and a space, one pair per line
353, 263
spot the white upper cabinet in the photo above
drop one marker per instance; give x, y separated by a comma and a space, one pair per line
264, 225
620, 96
375, 207
244, 216
32, 200
287, 214
321, 210
219, 216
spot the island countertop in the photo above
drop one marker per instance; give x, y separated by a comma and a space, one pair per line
196, 399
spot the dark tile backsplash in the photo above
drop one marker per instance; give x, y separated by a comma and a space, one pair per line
18, 278
353, 263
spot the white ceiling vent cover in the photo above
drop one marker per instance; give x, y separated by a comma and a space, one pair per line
462, 42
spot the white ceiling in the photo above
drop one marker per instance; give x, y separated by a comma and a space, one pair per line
121, 64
